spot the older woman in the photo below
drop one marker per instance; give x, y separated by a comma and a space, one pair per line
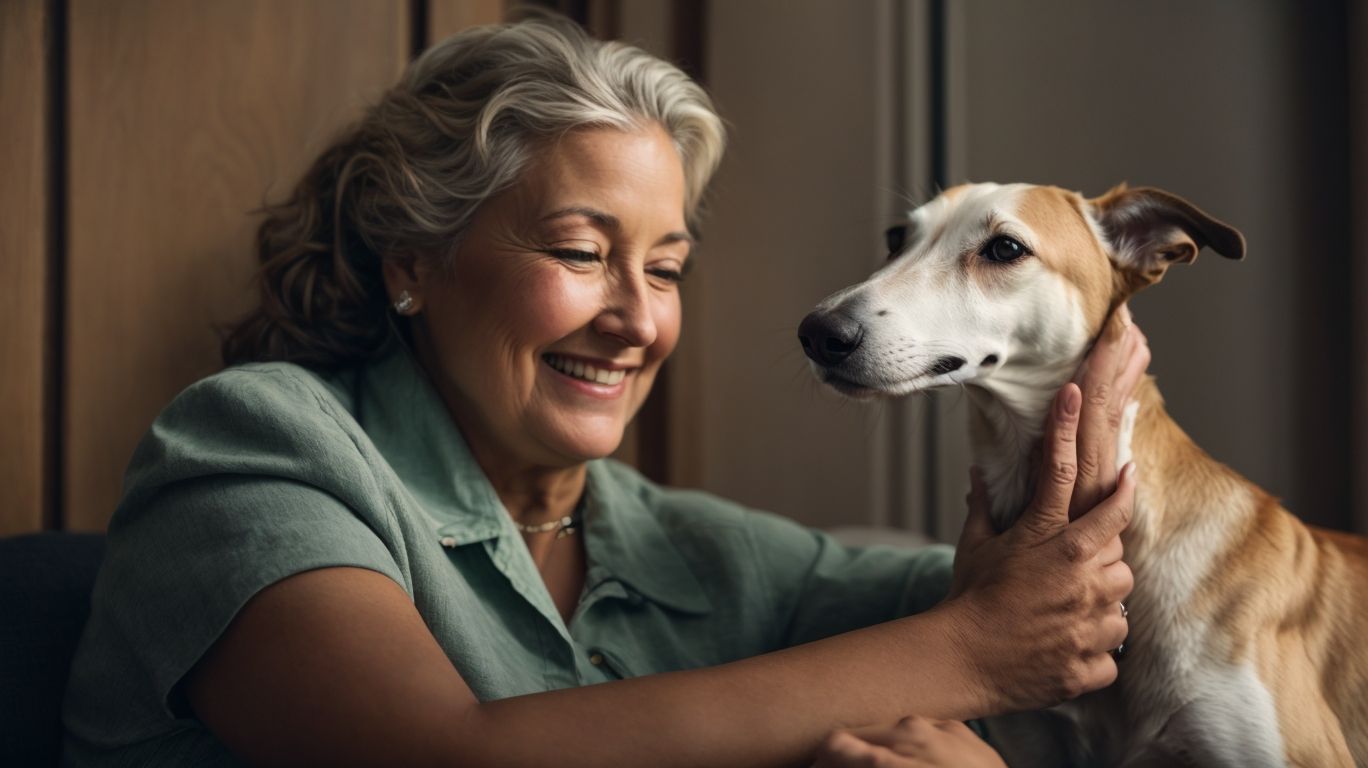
387, 535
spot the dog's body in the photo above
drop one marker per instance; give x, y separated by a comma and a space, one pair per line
1246, 625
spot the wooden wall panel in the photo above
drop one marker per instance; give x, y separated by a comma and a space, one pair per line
447, 17
23, 265
795, 215
1358, 255
184, 117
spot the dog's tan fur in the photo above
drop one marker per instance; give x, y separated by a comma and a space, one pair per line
1288, 598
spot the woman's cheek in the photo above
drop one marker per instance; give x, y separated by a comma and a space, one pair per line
668, 321
556, 307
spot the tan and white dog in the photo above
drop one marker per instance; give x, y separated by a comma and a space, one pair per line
1249, 630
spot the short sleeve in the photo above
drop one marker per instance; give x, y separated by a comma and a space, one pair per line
201, 549
823, 587
246, 479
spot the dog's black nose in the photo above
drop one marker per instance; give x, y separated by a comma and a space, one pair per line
829, 337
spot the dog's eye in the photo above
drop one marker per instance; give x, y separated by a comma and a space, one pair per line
1003, 248
896, 237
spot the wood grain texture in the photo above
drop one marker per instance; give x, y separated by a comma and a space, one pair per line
184, 118
447, 17
1358, 255
23, 265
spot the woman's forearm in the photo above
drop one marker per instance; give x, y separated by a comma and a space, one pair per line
767, 710
335, 667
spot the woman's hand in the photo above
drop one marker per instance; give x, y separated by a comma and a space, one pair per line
1039, 604
1108, 377
915, 742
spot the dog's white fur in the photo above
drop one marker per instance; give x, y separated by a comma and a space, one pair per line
1197, 686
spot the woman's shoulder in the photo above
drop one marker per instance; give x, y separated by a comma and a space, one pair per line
261, 418
262, 391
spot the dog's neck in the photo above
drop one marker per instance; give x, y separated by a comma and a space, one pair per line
1006, 422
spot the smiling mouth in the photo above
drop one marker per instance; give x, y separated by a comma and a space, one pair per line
578, 369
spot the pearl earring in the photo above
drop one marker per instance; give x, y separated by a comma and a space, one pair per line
405, 304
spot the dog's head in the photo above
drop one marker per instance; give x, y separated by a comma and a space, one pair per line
1003, 283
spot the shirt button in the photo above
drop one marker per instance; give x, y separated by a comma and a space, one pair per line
596, 659
448, 541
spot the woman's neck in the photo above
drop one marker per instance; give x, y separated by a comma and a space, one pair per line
534, 495
532, 492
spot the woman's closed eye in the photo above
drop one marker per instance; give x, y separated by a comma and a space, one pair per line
573, 254
668, 274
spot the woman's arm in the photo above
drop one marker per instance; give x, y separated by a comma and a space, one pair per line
336, 666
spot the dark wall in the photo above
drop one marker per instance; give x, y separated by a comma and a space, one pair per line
1241, 108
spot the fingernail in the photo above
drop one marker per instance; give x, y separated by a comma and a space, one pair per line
1126, 319
1128, 471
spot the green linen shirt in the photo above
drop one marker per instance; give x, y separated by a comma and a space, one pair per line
267, 470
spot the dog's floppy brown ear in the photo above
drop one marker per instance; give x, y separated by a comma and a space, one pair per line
1149, 229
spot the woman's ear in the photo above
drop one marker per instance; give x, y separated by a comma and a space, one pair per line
1148, 229
403, 284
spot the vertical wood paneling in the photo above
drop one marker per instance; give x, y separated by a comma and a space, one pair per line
792, 221
1358, 255
447, 17
23, 264
184, 117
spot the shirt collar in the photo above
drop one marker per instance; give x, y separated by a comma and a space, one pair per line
628, 541
408, 423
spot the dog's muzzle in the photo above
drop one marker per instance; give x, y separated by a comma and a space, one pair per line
829, 336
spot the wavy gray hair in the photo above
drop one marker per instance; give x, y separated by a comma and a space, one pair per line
408, 177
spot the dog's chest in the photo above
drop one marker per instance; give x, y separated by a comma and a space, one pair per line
1179, 712
1178, 700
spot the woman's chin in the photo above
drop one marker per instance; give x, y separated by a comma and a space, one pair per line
588, 444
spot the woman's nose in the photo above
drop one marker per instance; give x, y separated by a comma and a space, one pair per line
627, 315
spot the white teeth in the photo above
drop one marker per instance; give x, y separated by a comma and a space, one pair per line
586, 372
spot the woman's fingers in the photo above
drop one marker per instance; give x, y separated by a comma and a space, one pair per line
1103, 398
1111, 552
977, 530
1089, 534
913, 742
1049, 510
1112, 630
977, 525
1117, 582
1100, 672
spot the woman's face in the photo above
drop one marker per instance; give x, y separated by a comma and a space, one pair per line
562, 301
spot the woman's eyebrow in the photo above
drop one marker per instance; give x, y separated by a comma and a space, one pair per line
610, 222
677, 237
601, 218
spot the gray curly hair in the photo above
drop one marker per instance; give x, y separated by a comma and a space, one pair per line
406, 179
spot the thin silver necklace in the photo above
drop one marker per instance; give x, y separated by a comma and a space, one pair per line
566, 526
